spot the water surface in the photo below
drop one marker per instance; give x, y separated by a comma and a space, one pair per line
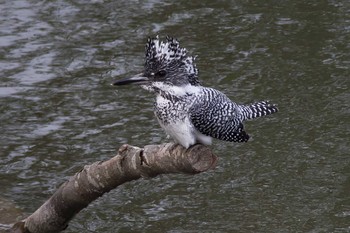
58, 111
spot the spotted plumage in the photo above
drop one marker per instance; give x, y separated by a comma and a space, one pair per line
187, 111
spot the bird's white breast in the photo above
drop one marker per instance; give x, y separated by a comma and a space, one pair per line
181, 132
173, 117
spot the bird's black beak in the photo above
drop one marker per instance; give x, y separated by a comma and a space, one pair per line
137, 79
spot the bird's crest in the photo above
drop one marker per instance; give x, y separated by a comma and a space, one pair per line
168, 52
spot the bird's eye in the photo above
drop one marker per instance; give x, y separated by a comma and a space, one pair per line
161, 73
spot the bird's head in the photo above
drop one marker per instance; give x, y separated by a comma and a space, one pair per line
166, 63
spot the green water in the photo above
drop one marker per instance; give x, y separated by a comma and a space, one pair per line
58, 111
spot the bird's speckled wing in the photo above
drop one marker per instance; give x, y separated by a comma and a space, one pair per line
214, 114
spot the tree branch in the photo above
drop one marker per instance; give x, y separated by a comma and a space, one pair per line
94, 180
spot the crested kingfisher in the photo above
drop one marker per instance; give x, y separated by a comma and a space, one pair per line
189, 112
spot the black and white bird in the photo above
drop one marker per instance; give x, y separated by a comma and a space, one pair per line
187, 111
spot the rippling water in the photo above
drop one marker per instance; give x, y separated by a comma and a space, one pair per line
58, 111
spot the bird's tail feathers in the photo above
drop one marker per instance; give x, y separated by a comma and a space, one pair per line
258, 109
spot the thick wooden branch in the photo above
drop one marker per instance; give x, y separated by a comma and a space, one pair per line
94, 180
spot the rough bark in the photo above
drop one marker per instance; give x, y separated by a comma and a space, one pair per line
94, 180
